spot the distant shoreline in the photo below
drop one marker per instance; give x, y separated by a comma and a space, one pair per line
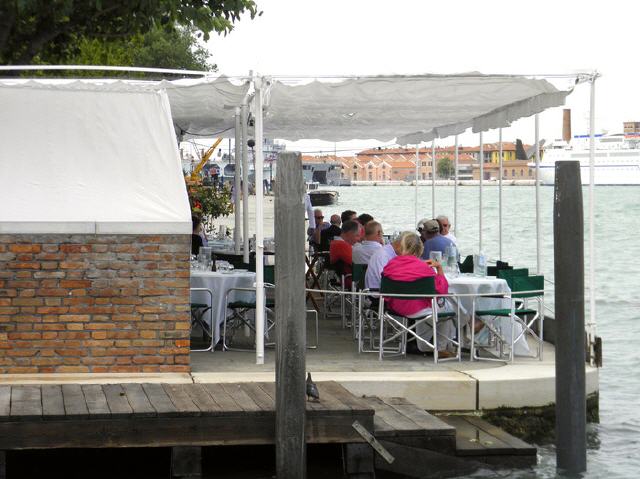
439, 183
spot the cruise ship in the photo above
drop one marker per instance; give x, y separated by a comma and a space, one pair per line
617, 159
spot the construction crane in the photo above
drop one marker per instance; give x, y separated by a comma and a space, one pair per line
194, 178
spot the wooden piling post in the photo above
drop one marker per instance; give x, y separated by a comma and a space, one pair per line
290, 319
568, 236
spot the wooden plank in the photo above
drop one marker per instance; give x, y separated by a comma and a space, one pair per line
431, 424
328, 402
471, 441
242, 398
259, 396
202, 399
159, 400
96, 401
26, 403
5, 401
339, 392
402, 425
52, 402
181, 399
518, 445
74, 402
117, 400
222, 398
138, 400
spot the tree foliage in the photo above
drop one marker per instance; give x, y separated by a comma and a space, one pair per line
158, 47
445, 167
51, 30
210, 202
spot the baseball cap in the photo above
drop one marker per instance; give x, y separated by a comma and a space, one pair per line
430, 226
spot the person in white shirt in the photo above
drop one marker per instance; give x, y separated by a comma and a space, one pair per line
378, 261
445, 226
372, 242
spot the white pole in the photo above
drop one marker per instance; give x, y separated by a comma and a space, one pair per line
258, 172
591, 326
500, 194
416, 188
244, 117
237, 205
480, 195
455, 190
538, 226
433, 178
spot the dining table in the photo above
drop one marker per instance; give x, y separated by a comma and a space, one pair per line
497, 290
219, 283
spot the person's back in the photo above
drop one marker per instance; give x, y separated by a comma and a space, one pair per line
363, 251
437, 243
340, 249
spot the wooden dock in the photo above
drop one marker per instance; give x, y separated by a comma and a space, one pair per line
188, 416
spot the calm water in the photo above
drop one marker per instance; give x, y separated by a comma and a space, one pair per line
614, 444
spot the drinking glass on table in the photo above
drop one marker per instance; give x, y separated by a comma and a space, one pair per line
436, 256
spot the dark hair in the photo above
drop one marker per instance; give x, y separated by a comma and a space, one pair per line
350, 226
346, 215
364, 218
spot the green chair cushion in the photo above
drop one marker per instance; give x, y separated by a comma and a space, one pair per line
504, 312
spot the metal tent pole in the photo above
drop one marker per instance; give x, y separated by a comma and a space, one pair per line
455, 189
433, 178
480, 195
500, 194
538, 226
416, 186
258, 172
244, 118
591, 325
237, 205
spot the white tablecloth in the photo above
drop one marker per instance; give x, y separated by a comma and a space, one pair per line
468, 284
218, 283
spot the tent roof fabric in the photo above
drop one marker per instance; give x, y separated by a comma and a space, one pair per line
89, 159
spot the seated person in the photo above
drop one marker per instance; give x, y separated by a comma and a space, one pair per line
327, 235
341, 248
347, 215
196, 238
445, 227
378, 261
408, 266
364, 218
371, 243
321, 225
433, 240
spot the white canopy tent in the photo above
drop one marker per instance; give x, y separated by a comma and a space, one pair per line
90, 159
411, 109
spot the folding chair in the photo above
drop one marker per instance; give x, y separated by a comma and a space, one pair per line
523, 290
198, 310
358, 273
239, 318
397, 327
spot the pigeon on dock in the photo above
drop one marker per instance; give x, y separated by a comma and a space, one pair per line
312, 389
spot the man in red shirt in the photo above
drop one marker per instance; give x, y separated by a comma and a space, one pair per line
340, 249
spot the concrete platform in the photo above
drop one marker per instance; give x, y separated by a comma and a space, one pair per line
449, 386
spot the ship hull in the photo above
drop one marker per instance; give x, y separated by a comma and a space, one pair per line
628, 174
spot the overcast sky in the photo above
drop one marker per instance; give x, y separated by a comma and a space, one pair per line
346, 37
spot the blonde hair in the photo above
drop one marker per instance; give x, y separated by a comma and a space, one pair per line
410, 243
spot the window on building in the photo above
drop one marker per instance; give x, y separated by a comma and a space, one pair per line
370, 166
370, 176
513, 172
521, 172
424, 163
355, 175
530, 172
424, 176
384, 175
505, 174
429, 175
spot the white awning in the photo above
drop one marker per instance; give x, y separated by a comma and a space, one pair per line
79, 157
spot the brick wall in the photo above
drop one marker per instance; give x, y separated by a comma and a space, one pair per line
92, 303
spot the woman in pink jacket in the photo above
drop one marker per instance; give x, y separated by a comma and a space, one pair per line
408, 266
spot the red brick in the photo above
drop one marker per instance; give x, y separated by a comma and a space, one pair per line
75, 283
75, 248
71, 352
25, 248
72, 265
149, 360
72, 369
24, 265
